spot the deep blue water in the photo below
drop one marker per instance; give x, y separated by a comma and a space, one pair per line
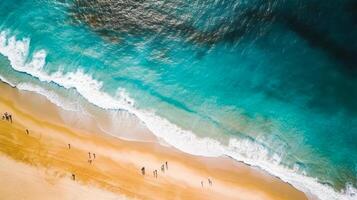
282, 74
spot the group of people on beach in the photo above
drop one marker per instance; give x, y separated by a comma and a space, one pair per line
163, 167
6, 116
209, 182
91, 158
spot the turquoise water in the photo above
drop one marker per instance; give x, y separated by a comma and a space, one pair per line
274, 82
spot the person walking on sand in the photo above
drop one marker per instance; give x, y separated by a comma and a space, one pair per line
163, 168
209, 182
143, 170
93, 155
201, 183
10, 117
73, 177
167, 166
27, 131
89, 155
69, 146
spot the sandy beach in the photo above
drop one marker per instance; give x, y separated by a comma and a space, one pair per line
40, 165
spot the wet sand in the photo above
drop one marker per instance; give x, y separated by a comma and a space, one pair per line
39, 165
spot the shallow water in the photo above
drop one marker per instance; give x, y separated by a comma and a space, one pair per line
266, 82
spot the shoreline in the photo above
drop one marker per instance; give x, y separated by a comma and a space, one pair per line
256, 179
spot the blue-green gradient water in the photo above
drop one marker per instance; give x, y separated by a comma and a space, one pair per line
272, 83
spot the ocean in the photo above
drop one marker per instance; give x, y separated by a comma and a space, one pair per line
272, 83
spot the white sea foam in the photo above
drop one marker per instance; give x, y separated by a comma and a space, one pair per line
50, 95
243, 150
3, 79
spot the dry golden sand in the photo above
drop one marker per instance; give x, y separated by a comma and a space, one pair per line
39, 165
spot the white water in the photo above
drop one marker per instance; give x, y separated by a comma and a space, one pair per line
50, 95
17, 51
